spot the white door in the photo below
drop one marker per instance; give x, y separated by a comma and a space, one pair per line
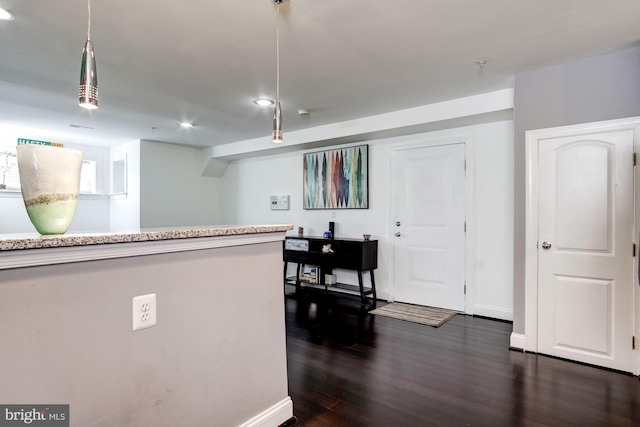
585, 238
429, 226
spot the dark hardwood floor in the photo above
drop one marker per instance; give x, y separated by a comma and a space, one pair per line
350, 368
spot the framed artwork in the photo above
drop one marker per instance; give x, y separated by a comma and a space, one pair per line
336, 179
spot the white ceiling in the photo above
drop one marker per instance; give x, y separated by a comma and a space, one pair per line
163, 61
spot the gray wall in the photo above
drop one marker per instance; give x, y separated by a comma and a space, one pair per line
588, 90
216, 357
173, 193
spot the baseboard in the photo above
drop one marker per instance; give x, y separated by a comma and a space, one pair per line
493, 312
272, 417
516, 341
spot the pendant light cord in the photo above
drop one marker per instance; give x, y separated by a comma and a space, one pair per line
278, 55
89, 20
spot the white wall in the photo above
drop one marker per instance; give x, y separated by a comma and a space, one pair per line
92, 214
172, 190
248, 183
493, 227
125, 209
165, 189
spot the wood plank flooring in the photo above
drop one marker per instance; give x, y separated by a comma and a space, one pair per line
350, 368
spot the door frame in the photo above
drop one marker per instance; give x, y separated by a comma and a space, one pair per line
533, 138
428, 142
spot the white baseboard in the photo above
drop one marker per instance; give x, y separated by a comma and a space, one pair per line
493, 312
272, 417
516, 341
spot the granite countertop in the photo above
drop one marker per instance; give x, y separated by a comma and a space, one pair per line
11, 242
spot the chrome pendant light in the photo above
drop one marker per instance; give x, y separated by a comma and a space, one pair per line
277, 112
88, 91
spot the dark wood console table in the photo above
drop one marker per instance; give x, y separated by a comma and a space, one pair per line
348, 254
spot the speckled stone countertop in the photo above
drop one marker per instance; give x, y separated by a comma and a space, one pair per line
12, 242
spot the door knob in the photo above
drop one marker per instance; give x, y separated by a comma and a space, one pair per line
398, 223
398, 234
546, 245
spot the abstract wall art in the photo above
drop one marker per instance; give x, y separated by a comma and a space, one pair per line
336, 179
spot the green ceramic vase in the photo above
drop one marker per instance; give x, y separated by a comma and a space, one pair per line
50, 181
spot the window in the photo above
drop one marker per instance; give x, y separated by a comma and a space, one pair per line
9, 178
88, 176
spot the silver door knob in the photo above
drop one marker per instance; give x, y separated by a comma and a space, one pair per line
398, 223
398, 234
546, 245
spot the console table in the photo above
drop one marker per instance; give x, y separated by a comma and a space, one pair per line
348, 254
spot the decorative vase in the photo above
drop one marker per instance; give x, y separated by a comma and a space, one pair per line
50, 181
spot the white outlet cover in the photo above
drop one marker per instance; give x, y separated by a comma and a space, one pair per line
144, 312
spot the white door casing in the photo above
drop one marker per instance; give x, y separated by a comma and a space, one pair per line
429, 226
579, 292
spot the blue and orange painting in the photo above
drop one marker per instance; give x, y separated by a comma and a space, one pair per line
336, 179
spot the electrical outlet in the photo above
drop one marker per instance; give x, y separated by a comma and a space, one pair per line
144, 311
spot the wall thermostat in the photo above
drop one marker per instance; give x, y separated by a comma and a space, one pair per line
280, 202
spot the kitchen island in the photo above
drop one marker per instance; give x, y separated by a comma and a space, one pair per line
216, 356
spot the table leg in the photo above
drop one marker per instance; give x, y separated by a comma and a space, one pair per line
298, 268
284, 275
373, 285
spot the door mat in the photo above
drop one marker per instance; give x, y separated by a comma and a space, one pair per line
430, 316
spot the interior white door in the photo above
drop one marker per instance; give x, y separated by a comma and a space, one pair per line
585, 260
429, 226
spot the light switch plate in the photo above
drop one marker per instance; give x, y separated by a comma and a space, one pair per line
144, 311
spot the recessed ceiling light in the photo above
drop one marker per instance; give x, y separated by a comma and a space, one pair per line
5, 15
186, 125
263, 102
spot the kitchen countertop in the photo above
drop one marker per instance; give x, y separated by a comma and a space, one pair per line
13, 242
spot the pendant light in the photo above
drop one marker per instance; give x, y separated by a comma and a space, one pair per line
88, 91
277, 112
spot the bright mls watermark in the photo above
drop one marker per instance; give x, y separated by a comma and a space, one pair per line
34, 415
